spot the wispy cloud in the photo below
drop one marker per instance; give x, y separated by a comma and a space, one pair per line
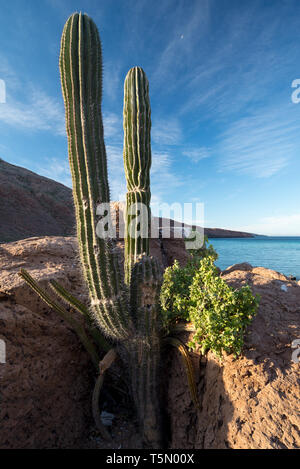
281, 225
8, 74
163, 177
197, 154
166, 132
116, 175
239, 68
39, 112
161, 170
54, 168
112, 124
178, 51
262, 144
112, 83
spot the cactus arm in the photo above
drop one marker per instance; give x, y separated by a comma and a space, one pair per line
188, 367
82, 309
69, 298
81, 79
137, 161
76, 326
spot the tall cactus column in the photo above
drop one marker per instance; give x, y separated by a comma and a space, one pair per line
81, 79
141, 271
137, 163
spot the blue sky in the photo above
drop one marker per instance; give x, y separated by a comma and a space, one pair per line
225, 131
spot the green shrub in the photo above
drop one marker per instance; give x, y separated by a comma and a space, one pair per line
220, 313
205, 251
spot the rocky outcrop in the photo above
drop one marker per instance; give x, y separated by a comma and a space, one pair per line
47, 380
244, 266
33, 205
253, 401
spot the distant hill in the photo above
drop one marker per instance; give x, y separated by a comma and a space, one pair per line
210, 232
220, 233
33, 205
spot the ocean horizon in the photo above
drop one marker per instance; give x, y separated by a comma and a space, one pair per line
280, 253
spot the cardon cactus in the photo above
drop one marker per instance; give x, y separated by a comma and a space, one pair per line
126, 313
124, 301
81, 79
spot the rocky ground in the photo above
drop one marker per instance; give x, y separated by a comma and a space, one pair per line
46, 382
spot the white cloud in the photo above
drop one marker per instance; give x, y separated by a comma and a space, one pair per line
112, 124
239, 68
161, 162
54, 168
197, 154
40, 112
8, 74
112, 84
281, 225
262, 144
177, 53
166, 132
116, 176
163, 179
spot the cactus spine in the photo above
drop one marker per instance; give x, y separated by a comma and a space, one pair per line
137, 163
126, 313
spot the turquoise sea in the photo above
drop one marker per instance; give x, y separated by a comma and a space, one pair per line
277, 253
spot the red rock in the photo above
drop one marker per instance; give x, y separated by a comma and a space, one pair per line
47, 381
243, 266
249, 402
